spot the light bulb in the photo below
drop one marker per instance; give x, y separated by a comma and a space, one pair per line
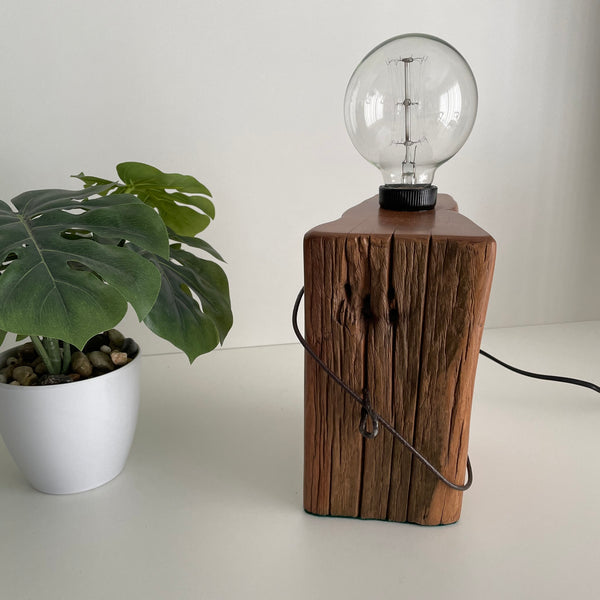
410, 105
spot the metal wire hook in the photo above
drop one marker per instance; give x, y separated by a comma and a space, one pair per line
366, 413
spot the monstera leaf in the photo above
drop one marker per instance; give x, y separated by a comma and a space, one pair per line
187, 209
195, 326
195, 242
58, 278
193, 308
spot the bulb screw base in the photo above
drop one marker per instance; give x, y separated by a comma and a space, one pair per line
407, 197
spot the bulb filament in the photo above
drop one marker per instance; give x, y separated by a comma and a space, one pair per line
401, 71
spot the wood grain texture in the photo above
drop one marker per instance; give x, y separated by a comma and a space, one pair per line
395, 303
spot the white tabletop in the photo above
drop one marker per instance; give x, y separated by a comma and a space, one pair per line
210, 503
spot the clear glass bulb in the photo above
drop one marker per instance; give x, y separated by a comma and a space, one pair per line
410, 105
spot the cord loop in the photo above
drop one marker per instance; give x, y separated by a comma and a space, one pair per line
367, 412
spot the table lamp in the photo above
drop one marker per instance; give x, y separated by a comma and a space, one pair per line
396, 295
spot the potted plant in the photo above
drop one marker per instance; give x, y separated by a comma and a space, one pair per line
71, 262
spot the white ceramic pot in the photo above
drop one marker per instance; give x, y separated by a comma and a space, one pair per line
71, 437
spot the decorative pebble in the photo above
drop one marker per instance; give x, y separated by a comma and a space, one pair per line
81, 364
106, 349
35, 362
18, 372
30, 380
41, 368
130, 347
14, 383
25, 375
115, 339
7, 371
12, 361
3, 378
27, 352
101, 361
54, 379
119, 358
95, 343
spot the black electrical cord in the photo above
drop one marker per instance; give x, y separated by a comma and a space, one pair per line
571, 380
376, 419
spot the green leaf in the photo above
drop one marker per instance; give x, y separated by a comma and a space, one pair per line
195, 328
181, 219
209, 282
2, 335
38, 202
201, 202
140, 174
196, 243
178, 209
91, 181
71, 289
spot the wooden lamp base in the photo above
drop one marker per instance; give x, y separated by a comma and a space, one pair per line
395, 303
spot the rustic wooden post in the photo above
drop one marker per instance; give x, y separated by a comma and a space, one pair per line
395, 303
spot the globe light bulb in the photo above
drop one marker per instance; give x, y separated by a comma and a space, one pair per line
410, 106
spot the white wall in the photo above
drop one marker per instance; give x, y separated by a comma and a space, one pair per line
248, 97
